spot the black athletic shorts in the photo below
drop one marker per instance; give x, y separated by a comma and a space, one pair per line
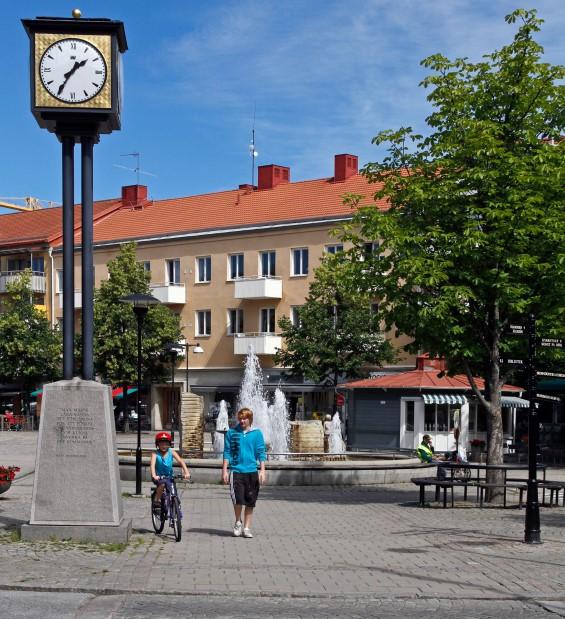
244, 488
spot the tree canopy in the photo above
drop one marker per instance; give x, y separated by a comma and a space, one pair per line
30, 349
474, 236
115, 327
338, 329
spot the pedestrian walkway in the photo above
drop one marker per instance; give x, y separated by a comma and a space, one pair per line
318, 543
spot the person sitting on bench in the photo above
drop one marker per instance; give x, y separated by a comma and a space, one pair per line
426, 453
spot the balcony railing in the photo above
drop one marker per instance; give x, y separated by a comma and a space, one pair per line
260, 343
78, 299
38, 280
258, 288
172, 294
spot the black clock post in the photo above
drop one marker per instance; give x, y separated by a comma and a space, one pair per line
75, 79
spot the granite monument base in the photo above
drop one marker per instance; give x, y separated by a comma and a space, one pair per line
77, 479
104, 534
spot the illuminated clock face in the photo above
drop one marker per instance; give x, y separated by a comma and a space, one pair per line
73, 70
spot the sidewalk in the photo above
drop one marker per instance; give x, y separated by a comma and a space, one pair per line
313, 542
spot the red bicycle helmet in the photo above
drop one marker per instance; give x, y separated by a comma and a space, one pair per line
163, 436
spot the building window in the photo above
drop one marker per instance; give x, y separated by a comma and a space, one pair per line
295, 316
436, 418
203, 322
235, 321
300, 261
173, 271
203, 269
370, 248
334, 249
267, 320
36, 264
235, 266
268, 263
59, 283
409, 415
146, 264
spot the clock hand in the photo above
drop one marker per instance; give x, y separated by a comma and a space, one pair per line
68, 74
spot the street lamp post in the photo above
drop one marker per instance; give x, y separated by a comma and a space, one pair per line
173, 350
196, 349
140, 303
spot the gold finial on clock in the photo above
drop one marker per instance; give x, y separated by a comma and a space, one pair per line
77, 13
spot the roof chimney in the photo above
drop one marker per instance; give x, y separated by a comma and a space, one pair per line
345, 166
134, 196
270, 176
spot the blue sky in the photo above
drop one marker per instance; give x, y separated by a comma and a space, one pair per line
323, 75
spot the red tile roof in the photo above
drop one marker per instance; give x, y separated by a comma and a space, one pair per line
287, 202
420, 379
42, 227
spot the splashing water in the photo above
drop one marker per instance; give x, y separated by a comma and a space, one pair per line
251, 395
221, 426
336, 445
280, 424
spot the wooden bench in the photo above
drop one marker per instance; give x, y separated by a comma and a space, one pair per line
482, 487
554, 488
440, 484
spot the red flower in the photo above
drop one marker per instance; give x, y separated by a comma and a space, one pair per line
7, 473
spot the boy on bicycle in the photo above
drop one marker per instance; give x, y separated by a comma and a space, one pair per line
162, 464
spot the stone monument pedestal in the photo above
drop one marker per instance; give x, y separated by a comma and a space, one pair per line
76, 490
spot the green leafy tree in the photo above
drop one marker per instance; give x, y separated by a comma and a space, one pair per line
30, 349
115, 326
474, 237
337, 332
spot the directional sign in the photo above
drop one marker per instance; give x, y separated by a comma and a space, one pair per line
551, 342
507, 361
543, 396
517, 329
552, 374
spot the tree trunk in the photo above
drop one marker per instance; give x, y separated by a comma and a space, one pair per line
494, 414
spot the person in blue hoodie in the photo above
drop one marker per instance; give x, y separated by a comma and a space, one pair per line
244, 446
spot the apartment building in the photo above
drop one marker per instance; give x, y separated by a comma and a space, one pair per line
229, 263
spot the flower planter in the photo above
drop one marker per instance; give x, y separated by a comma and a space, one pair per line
4, 486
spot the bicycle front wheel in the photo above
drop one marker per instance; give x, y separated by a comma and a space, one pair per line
176, 518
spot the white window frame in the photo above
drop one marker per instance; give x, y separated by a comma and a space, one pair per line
293, 251
294, 317
207, 323
267, 309
59, 278
238, 275
239, 318
271, 253
333, 249
175, 271
207, 269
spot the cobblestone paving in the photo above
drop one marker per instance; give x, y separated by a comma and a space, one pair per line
312, 542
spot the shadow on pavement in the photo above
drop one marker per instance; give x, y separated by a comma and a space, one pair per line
214, 532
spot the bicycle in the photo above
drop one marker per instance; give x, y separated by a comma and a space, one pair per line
170, 507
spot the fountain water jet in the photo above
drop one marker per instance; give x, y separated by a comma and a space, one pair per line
335, 441
280, 425
222, 427
251, 395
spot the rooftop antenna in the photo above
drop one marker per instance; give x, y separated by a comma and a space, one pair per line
137, 168
252, 152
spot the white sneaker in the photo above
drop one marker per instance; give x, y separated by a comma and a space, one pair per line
247, 533
238, 529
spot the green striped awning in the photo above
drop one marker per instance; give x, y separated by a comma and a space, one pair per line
444, 398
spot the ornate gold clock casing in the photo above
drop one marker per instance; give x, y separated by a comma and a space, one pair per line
56, 55
75, 71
